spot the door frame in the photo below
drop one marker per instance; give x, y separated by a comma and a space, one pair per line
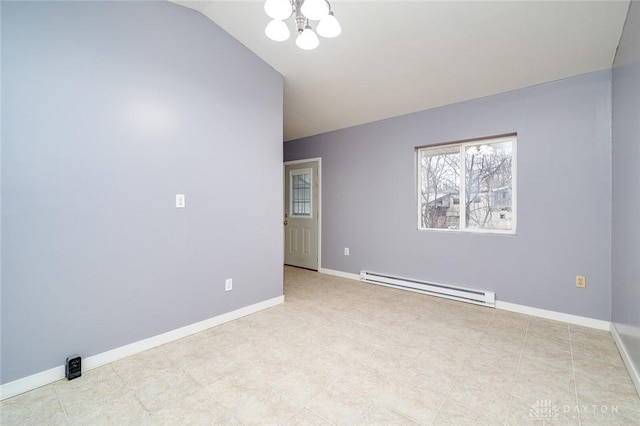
319, 208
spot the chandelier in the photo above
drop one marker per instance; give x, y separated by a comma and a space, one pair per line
304, 12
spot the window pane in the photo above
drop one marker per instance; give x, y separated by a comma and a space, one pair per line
300, 193
488, 185
440, 188
468, 185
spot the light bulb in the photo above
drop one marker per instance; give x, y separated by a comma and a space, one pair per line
307, 39
277, 30
329, 27
278, 9
315, 9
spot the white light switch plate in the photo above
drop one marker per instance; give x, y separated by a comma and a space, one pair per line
180, 201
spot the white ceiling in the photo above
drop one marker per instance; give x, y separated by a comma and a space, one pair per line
397, 57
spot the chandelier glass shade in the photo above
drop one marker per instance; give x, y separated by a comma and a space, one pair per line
304, 11
307, 39
329, 27
315, 9
278, 9
277, 30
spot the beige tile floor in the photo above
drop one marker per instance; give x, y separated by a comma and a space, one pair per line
343, 352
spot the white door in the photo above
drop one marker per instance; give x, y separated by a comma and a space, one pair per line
301, 215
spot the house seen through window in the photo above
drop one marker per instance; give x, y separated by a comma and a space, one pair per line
481, 173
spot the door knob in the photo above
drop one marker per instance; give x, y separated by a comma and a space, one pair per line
286, 222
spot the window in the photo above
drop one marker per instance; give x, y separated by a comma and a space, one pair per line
300, 193
479, 172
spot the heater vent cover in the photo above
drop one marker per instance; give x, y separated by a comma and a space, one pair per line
478, 297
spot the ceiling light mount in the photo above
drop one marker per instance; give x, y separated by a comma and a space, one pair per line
304, 12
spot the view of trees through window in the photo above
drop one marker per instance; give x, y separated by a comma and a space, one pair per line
480, 173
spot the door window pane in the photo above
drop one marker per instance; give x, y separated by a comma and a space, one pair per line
300, 193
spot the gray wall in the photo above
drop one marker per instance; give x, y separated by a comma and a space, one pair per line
626, 181
109, 109
564, 197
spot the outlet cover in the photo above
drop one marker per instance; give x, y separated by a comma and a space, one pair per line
581, 281
180, 203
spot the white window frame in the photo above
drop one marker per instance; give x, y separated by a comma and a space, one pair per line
513, 138
298, 172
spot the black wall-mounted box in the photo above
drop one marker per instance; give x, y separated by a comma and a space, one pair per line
73, 367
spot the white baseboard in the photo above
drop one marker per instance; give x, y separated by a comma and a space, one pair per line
340, 274
631, 367
553, 315
37, 380
521, 309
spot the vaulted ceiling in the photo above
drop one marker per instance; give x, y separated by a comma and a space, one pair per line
397, 57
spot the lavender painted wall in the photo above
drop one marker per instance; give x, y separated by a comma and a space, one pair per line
109, 109
564, 197
626, 181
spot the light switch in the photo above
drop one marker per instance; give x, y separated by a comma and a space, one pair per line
180, 201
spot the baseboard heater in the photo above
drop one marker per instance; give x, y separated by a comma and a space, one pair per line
478, 297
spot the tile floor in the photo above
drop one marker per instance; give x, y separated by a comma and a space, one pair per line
343, 352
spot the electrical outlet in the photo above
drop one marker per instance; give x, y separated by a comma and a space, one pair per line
228, 284
346, 251
581, 281
180, 201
